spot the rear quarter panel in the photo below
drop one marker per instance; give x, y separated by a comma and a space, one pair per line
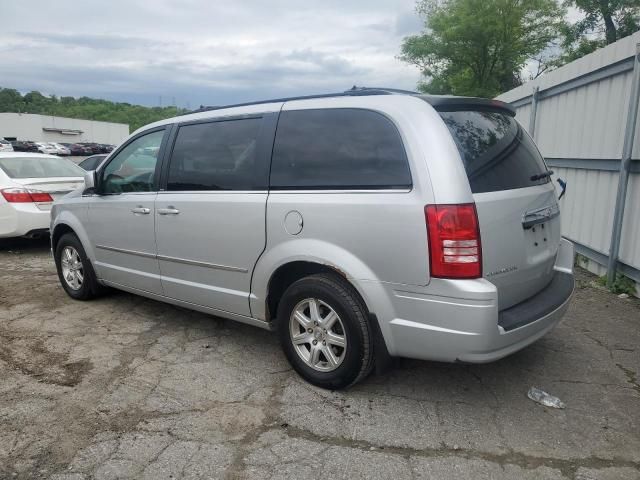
366, 236
369, 236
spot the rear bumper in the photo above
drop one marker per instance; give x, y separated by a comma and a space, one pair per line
459, 320
19, 219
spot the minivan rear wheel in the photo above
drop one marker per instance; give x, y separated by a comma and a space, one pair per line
324, 331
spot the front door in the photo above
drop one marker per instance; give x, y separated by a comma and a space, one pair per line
210, 220
122, 218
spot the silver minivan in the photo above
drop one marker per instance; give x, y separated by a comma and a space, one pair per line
360, 226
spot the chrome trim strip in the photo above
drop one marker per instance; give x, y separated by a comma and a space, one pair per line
124, 250
201, 264
174, 259
209, 192
333, 191
541, 215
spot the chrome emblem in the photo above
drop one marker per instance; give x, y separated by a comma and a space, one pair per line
501, 271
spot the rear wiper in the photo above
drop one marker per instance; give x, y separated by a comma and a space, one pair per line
540, 176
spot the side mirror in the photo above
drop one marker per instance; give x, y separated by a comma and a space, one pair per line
90, 181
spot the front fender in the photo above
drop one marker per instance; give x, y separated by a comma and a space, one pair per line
73, 216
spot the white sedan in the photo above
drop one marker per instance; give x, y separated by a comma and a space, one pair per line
29, 184
60, 149
47, 148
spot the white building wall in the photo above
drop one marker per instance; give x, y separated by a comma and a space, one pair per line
28, 126
580, 132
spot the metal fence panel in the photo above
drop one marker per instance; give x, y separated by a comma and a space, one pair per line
580, 128
630, 245
584, 123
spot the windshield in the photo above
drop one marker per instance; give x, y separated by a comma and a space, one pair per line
32, 167
497, 153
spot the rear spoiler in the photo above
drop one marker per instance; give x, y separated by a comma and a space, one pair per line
446, 103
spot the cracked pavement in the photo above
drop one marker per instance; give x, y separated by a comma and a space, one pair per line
125, 387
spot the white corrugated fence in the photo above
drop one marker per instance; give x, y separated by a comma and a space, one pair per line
580, 117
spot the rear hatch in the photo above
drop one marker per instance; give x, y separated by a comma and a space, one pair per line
515, 199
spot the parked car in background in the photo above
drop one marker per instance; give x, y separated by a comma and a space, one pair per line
93, 148
5, 146
367, 225
24, 146
77, 150
46, 148
92, 162
106, 148
60, 149
29, 184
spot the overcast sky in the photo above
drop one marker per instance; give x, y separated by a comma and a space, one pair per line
203, 51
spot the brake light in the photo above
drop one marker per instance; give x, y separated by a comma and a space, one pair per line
454, 241
23, 195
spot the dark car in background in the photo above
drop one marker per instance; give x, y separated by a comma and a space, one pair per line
24, 146
93, 148
78, 149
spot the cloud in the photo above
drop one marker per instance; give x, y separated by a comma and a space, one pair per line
203, 51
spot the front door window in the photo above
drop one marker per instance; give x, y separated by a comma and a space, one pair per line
133, 168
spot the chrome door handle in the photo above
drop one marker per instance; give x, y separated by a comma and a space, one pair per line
168, 211
142, 210
542, 215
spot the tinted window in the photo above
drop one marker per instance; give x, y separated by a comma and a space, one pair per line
39, 167
496, 152
133, 168
216, 156
338, 148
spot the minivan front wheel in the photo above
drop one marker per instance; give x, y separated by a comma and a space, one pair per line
324, 332
75, 270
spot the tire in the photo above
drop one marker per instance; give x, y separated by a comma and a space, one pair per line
88, 287
338, 367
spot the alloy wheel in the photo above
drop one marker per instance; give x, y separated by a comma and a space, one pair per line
318, 335
72, 270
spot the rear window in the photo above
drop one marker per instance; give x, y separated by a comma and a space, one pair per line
497, 153
27, 167
338, 149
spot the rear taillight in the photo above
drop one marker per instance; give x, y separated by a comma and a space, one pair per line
454, 241
23, 195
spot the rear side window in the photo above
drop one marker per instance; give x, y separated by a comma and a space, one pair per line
217, 155
496, 152
338, 149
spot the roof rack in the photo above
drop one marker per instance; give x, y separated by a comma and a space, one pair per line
353, 91
439, 102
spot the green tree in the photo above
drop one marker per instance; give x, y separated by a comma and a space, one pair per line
480, 47
604, 22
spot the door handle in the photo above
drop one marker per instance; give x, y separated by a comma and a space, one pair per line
141, 210
542, 215
168, 211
